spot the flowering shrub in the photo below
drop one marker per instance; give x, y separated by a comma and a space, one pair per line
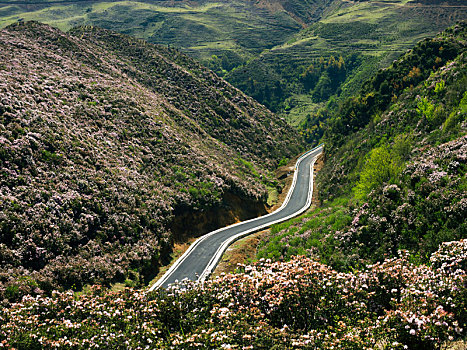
425, 208
296, 304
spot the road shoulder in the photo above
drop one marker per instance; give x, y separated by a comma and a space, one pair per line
244, 250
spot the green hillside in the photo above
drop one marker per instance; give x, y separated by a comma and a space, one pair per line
301, 75
394, 174
291, 56
234, 31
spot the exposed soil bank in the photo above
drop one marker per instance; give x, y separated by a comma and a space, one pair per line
189, 224
233, 208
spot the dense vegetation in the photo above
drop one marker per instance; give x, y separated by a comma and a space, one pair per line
300, 304
394, 176
383, 259
393, 186
272, 84
367, 35
273, 50
103, 139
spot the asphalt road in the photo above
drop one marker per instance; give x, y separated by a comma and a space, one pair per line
203, 255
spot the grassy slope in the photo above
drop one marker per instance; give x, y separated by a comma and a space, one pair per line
199, 28
413, 191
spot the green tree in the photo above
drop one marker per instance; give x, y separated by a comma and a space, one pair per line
425, 108
402, 147
380, 166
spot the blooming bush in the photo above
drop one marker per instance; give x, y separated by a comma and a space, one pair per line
295, 304
397, 181
425, 207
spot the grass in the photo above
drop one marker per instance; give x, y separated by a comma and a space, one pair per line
240, 252
310, 232
202, 30
273, 196
301, 105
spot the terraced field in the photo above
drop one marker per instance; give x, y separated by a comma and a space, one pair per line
373, 32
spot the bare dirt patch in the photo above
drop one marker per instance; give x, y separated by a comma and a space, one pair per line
238, 253
316, 168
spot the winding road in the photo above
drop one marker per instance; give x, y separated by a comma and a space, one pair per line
198, 262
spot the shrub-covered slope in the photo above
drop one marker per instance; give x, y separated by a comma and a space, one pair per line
103, 138
389, 282
400, 101
394, 175
393, 193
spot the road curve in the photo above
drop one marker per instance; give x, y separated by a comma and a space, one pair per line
198, 262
